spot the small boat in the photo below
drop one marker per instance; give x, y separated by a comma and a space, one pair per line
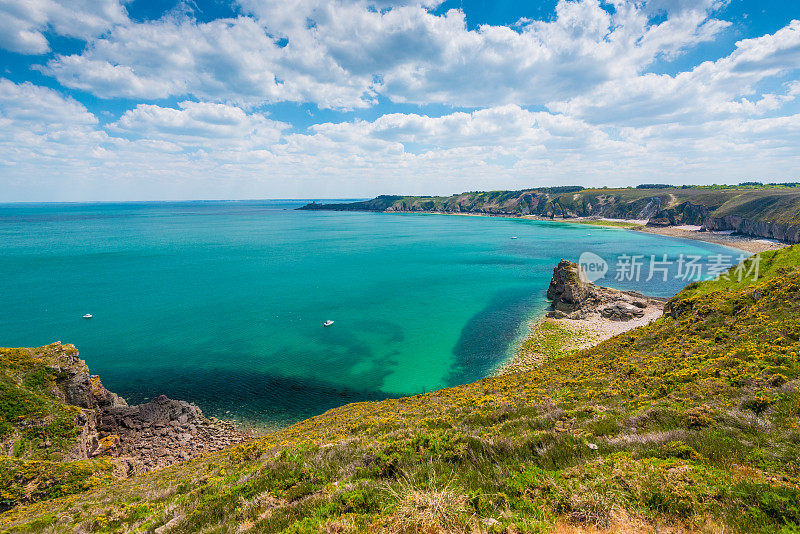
327, 323
513, 237
87, 316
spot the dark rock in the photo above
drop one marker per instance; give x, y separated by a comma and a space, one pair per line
621, 311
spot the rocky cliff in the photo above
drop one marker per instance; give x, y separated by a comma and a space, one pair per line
57, 417
574, 297
764, 212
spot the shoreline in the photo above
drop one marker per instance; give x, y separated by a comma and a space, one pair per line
582, 315
753, 245
549, 337
746, 243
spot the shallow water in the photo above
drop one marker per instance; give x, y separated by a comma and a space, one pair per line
222, 303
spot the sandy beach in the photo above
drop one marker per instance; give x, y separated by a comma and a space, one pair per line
750, 244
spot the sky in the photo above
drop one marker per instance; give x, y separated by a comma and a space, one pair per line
239, 99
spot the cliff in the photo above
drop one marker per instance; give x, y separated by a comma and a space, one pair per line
689, 424
55, 417
770, 212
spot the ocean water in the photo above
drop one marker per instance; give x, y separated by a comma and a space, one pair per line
222, 303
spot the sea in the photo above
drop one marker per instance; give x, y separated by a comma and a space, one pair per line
222, 303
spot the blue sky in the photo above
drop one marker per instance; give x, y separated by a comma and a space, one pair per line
116, 100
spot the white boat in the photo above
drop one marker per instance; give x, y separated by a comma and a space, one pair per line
327, 323
513, 237
87, 316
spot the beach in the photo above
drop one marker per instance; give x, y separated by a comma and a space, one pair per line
747, 243
551, 337
754, 245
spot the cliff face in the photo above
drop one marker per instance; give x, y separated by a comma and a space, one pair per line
568, 289
770, 213
57, 417
788, 233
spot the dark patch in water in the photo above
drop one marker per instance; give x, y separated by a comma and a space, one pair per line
257, 397
487, 335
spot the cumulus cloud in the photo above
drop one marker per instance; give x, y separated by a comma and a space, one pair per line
41, 108
710, 91
199, 123
23, 23
342, 54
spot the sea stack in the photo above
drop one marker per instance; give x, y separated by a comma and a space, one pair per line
569, 287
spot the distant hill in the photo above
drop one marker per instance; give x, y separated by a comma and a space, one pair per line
763, 211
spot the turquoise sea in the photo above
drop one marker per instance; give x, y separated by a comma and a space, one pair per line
222, 303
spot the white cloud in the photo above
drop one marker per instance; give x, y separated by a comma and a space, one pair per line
710, 91
342, 54
46, 108
23, 23
200, 123
52, 147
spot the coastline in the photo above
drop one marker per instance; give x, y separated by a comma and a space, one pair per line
746, 243
550, 337
582, 315
754, 245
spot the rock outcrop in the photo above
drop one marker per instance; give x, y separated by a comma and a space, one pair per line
142, 437
569, 289
621, 311
574, 297
162, 432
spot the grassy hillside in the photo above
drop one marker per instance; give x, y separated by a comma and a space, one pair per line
40, 434
691, 423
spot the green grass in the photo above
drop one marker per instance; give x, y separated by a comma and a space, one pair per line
610, 224
692, 421
549, 339
38, 431
29, 414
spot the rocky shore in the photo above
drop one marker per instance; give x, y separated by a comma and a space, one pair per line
162, 432
574, 297
582, 315
139, 438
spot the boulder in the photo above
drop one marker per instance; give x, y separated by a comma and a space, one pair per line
621, 311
